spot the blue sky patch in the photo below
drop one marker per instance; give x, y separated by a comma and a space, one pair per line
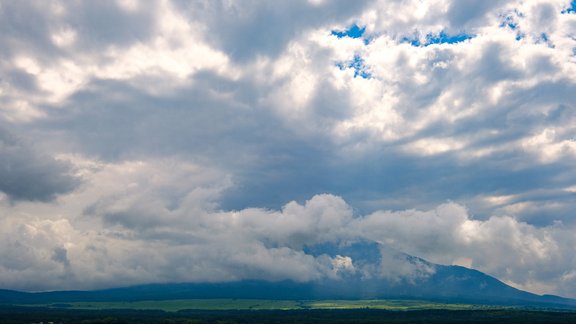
412, 41
360, 69
544, 39
571, 9
353, 32
441, 38
509, 22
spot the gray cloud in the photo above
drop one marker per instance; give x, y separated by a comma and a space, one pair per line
187, 244
258, 28
464, 13
27, 174
226, 122
95, 26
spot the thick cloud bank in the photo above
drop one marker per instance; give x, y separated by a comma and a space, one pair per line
218, 140
138, 238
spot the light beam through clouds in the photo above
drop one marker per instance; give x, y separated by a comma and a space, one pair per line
172, 141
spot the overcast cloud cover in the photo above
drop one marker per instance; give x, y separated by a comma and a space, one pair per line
170, 141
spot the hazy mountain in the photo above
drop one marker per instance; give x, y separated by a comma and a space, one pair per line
361, 271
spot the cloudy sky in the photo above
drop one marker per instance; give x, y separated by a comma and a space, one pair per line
170, 141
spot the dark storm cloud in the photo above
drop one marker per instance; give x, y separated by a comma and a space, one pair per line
27, 174
213, 120
200, 119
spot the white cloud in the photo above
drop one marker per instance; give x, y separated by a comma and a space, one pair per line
125, 242
501, 246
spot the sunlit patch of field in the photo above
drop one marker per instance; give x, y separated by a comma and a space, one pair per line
399, 305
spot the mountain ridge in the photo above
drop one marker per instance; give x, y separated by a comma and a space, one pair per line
372, 271
285, 290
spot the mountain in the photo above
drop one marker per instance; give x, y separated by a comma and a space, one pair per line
365, 271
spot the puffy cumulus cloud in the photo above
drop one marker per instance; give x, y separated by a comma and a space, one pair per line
256, 100
472, 106
128, 239
321, 219
27, 173
397, 267
73, 44
500, 245
450, 111
158, 221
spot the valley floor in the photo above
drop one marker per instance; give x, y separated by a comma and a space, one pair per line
268, 304
37, 315
276, 311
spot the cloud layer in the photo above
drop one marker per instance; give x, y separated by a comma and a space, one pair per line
215, 140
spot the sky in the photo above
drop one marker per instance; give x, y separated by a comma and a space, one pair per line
205, 141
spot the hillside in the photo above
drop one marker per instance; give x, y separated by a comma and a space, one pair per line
419, 279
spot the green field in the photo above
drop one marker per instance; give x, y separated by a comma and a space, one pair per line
266, 304
398, 305
276, 311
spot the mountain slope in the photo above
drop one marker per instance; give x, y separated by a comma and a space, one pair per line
375, 273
